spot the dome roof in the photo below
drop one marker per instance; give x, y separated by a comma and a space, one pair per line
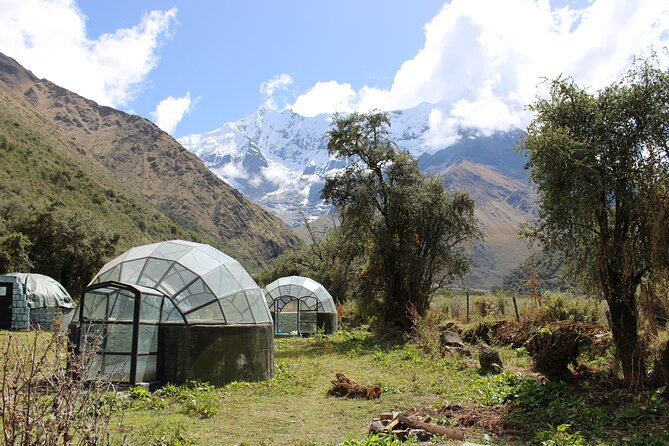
43, 291
202, 283
297, 287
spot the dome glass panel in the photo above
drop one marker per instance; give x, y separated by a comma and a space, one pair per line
200, 283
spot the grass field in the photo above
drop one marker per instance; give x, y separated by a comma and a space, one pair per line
512, 408
294, 408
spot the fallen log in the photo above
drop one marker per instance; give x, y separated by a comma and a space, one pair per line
435, 429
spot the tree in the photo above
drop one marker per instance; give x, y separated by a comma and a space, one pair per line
67, 246
323, 258
597, 161
410, 233
14, 248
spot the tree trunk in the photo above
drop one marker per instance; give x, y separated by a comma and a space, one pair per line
626, 338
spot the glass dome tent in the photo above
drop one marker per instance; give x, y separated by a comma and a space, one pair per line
300, 305
174, 311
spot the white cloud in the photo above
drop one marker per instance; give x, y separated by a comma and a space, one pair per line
280, 81
273, 90
233, 171
49, 38
171, 110
484, 60
325, 97
276, 173
443, 130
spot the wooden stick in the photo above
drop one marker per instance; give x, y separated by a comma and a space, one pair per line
453, 434
515, 307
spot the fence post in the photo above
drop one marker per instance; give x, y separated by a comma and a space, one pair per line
467, 306
515, 308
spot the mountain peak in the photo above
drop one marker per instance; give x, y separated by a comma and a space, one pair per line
157, 168
279, 159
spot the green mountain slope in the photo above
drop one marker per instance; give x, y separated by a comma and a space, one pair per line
42, 166
149, 162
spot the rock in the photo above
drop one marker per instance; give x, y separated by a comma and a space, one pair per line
489, 359
377, 427
451, 342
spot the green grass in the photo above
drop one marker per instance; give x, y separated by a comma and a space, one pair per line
294, 408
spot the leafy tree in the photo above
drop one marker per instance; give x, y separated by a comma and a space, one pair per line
324, 259
66, 245
14, 248
598, 161
410, 233
549, 267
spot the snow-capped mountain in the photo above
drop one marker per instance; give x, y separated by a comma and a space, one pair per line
279, 159
275, 158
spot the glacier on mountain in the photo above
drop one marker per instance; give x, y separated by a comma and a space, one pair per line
279, 158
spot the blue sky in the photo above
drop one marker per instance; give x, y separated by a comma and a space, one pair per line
192, 65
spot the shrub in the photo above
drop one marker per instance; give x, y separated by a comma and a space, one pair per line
560, 436
45, 403
380, 440
555, 346
485, 330
567, 307
427, 331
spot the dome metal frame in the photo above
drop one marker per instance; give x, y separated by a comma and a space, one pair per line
174, 283
307, 299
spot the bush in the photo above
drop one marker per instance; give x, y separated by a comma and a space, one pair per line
567, 307
45, 403
555, 346
561, 436
485, 330
427, 331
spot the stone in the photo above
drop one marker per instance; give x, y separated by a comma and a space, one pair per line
489, 359
452, 343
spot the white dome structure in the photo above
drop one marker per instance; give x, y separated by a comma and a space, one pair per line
33, 300
202, 284
174, 311
300, 305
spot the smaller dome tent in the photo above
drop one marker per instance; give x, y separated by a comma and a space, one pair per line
36, 299
175, 311
300, 305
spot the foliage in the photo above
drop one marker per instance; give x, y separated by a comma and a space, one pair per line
567, 307
14, 252
68, 246
560, 436
597, 160
194, 398
554, 403
409, 232
549, 267
555, 346
380, 440
324, 259
45, 403
486, 330
427, 331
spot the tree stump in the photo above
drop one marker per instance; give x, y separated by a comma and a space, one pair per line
345, 387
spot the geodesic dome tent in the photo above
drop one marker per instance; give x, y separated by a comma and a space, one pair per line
300, 305
174, 311
31, 298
